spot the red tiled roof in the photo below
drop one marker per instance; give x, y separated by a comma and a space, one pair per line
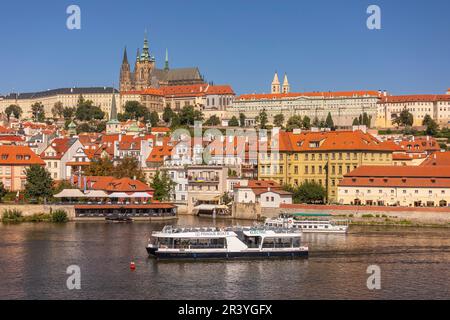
18, 155
438, 159
4, 130
111, 184
160, 129
158, 153
420, 145
400, 171
60, 145
12, 138
327, 141
153, 92
307, 94
415, 98
395, 176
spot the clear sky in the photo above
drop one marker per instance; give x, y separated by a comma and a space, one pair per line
322, 45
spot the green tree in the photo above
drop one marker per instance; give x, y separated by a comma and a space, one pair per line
427, 120
294, 122
234, 122
100, 167
405, 119
175, 123
135, 110
329, 123
432, 127
167, 114
58, 110
3, 191
129, 167
262, 120
163, 186
69, 113
188, 115
37, 111
87, 112
308, 192
39, 183
154, 119
306, 123
213, 121
356, 122
278, 120
14, 110
316, 122
242, 119
366, 120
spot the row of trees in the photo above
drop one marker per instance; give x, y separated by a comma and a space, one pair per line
363, 120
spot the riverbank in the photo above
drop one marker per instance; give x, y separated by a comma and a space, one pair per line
374, 216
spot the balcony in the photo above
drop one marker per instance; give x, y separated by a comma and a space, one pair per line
203, 179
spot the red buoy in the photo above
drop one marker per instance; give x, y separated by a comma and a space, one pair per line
132, 266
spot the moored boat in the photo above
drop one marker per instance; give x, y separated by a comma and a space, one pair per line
226, 243
309, 223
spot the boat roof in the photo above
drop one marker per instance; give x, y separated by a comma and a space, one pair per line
312, 215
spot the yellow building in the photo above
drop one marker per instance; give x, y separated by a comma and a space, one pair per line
322, 157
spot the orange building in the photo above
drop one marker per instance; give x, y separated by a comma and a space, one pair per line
14, 160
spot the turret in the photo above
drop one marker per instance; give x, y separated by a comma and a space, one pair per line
275, 84
286, 86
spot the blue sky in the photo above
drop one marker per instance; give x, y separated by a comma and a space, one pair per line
322, 45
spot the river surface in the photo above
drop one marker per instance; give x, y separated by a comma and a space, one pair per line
414, 264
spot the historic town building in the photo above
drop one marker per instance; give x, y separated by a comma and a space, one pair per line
100, 96
396, 186
343, 106
146, 74
436, 106
323, 157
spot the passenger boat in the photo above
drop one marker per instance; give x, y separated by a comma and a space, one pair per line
226, 243
316, 225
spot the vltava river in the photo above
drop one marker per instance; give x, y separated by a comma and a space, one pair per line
414, 263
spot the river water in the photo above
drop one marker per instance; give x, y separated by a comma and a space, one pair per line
414, 263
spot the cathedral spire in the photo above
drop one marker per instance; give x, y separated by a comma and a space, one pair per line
125, 57
113, 116
166, 64
145, 50
138, 56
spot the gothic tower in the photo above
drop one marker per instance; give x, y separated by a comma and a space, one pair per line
125, 74
275, 84
144, 66
286, 86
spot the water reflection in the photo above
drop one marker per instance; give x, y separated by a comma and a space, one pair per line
415, 263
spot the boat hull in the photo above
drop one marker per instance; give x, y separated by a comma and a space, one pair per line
226, 255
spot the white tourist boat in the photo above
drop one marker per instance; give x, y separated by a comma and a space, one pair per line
316, 225
226, 243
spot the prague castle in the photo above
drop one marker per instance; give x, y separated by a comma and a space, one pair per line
146, 75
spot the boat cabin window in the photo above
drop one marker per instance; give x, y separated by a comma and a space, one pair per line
198, 243
252, 242
281, 242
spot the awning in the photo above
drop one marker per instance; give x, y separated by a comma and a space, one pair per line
210, 207
70, 193
119, 195
96, 194
141, 195
208, 197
